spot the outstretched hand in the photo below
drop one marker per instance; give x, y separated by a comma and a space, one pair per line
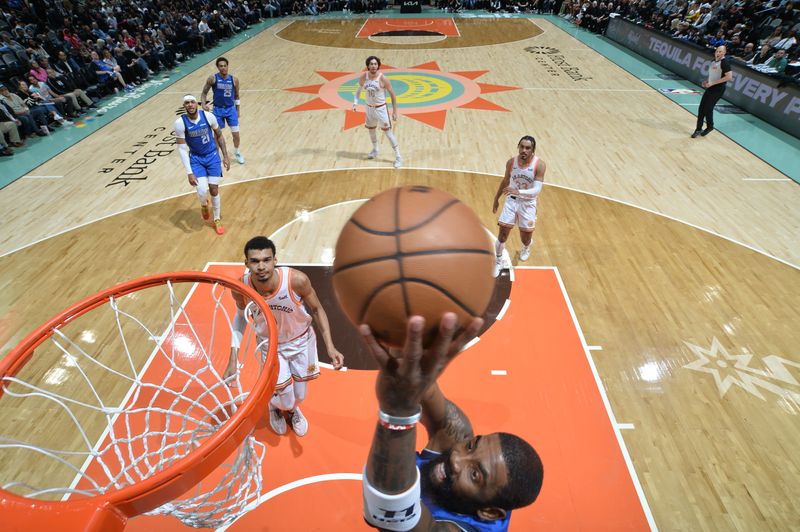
406, 374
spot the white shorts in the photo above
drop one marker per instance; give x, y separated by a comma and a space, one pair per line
378, 117
298, 359
518, 212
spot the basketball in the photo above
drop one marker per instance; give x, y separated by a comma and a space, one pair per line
412, 251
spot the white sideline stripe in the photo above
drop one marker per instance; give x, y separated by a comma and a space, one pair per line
772, 179
620, 441
499, 372
42, 176
625, 426
450, 170
594, 347
290, 486
124, 401
503, 310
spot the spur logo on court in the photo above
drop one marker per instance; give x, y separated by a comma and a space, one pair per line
774, 376
138, 158
555, 63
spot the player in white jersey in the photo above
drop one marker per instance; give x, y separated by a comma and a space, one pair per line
376, 85
521, 184
288, 293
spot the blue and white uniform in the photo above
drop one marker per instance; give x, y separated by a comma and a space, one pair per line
225, 102
467, 523
199, 136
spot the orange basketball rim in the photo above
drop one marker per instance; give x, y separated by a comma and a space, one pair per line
110, 511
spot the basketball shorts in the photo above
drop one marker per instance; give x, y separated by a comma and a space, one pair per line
378, 117
298, 359
209, 165
518, 212
227, 114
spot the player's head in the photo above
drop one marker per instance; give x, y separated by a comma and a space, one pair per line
526, 147
222, 66
373, 63
259, 257
190, 104
485, 477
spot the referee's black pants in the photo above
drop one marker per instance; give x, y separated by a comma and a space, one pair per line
707, 103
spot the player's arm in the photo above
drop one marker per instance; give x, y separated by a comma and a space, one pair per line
445, 422
236, 96
503, 185
204, 94
391, 483
212, 121
301, 285
239, 323
358, 91
538, 182
387, 86
183, 150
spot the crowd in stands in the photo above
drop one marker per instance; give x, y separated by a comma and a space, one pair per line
761, 33
59, 58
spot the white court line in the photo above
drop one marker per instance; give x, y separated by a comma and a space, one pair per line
503, 310
499, 372
616, 426
42, 176
290, 486
625, 426
449, 170
770, 179
361, 28
471, 343
594, 347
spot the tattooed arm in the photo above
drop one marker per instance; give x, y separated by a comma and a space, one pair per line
445, 422
402, 386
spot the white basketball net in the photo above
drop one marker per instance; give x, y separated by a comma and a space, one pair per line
109, 412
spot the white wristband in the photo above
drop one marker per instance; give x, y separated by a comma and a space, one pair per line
392, 512
237, 102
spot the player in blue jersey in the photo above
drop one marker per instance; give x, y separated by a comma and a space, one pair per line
459, 481
226, 102
199, 139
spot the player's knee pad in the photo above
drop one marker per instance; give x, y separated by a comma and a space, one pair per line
234, 129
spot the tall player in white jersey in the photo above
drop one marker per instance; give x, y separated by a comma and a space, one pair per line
288, 293
521, 184
376, 85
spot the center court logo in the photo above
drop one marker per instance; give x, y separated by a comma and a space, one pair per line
424, 93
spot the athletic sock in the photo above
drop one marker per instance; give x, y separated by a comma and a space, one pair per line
215, 206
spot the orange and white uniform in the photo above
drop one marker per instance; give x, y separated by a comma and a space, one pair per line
297, 341
518, 209
375, 96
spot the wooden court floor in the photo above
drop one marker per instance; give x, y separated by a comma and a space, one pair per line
682, 274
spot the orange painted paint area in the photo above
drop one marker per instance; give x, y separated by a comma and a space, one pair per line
549, 396
437, 26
